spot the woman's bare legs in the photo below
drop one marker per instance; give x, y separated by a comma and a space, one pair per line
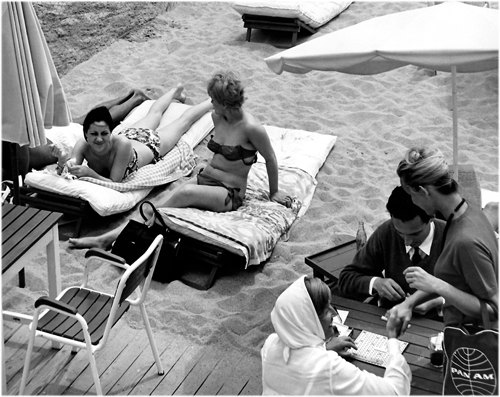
120, 107
121, 110
171, 133
190, 194
103, 241
153, 117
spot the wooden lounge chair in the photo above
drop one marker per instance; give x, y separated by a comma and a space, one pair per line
293, 25
82, 197
288, 15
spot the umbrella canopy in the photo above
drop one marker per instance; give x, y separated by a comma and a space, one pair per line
451, 37
32, 94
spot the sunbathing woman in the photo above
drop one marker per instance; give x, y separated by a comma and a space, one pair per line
112, 157
40, 156
221, 185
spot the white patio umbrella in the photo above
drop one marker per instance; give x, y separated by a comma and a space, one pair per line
449, 37
32, 94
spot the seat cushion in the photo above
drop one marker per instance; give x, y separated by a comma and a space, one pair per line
313, 13
93, 306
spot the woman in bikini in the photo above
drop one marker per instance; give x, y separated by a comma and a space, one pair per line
237, 139
112, 157
221, 185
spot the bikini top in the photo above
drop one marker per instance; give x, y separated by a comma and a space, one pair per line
233, 153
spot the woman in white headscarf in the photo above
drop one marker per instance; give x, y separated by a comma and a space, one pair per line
296, 359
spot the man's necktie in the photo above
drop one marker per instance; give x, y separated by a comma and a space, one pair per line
416, 258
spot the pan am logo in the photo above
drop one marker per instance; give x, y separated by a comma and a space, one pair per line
472, 373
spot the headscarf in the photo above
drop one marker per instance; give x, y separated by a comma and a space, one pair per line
295, 320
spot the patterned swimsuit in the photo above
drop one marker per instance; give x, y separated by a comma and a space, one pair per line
146, 136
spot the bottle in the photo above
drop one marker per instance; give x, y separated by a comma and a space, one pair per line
360, 235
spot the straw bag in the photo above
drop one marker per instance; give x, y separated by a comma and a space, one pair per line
134, 240
471, 357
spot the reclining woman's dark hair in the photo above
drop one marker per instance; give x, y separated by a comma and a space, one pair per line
97, 114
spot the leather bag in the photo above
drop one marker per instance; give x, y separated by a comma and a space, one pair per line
471, 358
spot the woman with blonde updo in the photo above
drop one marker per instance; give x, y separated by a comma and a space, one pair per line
467, 269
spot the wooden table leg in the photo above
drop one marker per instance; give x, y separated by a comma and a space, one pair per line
4, 374
54, 269
53, 264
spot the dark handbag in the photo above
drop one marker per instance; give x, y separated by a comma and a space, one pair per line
184, 258
471, 358
136, 237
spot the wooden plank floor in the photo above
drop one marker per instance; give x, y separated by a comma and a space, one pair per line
126, 366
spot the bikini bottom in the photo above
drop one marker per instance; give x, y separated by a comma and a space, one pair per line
232, 192
146, 136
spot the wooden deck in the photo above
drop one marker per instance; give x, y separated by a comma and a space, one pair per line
126, 365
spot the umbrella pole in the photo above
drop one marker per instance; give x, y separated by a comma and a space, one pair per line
455, 119
14, 166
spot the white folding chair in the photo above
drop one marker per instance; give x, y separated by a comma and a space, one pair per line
82, 317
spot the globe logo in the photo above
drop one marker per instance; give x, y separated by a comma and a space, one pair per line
472, 373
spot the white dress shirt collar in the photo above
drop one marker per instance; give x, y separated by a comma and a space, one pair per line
426, 245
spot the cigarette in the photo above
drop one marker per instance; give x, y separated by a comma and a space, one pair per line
385, 319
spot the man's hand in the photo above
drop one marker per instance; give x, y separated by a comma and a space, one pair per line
389, 289
61, 154
341, 345
282, 198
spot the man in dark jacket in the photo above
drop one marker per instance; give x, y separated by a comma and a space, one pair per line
409, 238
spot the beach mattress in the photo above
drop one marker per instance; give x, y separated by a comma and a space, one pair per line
255, 228
108, 198
312, 13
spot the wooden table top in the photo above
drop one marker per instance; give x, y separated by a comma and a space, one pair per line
22, 227
362, 316
329, 263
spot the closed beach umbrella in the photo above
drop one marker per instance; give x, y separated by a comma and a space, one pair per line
32, 94
449, 37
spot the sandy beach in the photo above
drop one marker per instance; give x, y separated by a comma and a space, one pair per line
376, 118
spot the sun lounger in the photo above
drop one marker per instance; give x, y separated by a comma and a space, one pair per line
288, 15
75, 196
248, 236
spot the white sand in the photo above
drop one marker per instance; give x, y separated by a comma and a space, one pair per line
375, 118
